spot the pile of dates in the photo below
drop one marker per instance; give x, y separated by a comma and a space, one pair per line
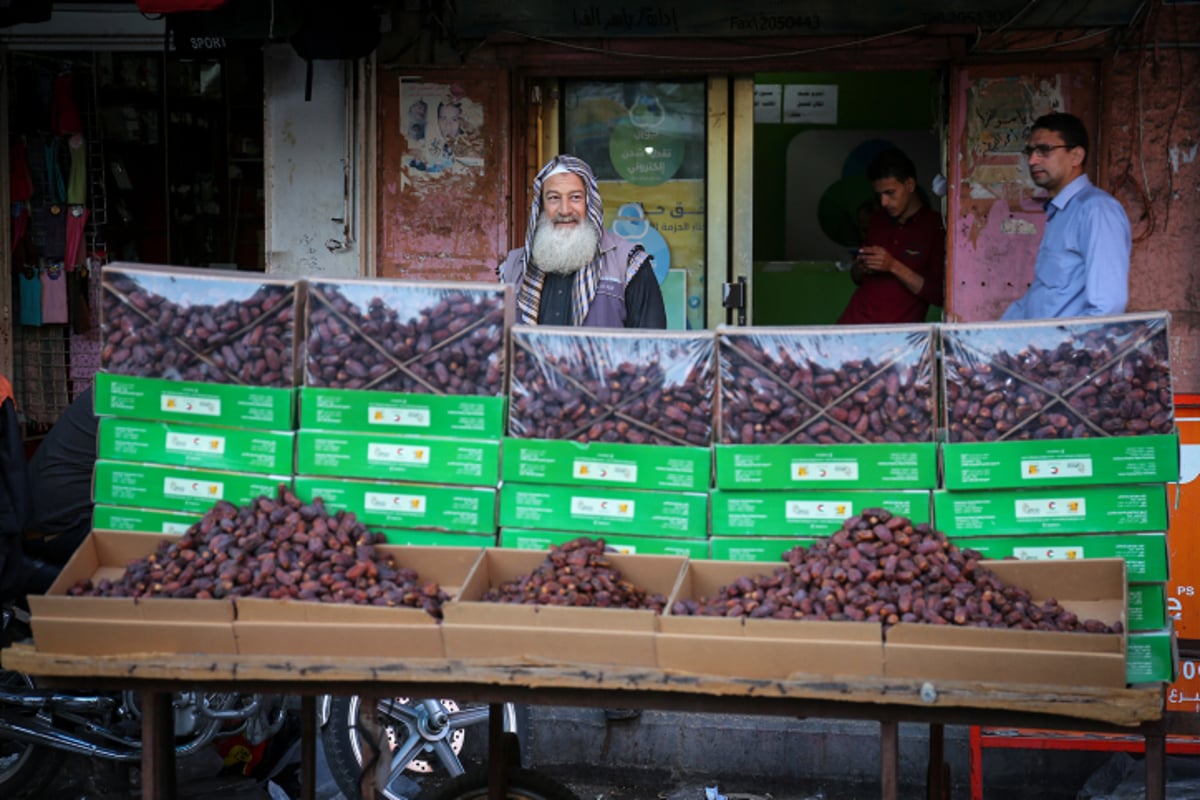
576, 573
452, 342
1109, 379
834, 389
636, 390
160, 328
880, 568
274, 548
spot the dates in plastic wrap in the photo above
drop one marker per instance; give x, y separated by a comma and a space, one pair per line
408, 336
648, 387
826, 385
198, 325
1061, 379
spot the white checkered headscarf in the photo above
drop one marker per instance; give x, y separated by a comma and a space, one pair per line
529, 295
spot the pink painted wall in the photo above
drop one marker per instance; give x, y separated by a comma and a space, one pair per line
996, 212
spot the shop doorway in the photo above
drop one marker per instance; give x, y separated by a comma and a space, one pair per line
814, 135
120, 156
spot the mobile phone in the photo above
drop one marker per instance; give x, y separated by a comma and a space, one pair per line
855, 252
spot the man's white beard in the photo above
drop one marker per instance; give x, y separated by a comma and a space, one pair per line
564, 250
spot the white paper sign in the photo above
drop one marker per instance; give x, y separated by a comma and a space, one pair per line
768, 102
810, 104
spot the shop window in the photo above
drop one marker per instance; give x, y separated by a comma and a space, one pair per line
645, 140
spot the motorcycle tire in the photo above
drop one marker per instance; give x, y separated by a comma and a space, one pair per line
523, 784
26, 769
344, 750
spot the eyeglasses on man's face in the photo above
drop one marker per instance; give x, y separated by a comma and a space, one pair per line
1044, 150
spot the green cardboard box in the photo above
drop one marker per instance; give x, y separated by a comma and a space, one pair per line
380, 455
1099, 460
402, 412
392, 504
594, 509
178, 488
1063, 509
527, 539
640, 466
754, 548
807, 513
1151, 656
144, 520
408, 536
818, 467
201, 446
1145, 554
1147, 606
262, 408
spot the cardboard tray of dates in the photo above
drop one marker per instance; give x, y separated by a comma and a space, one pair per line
575, 604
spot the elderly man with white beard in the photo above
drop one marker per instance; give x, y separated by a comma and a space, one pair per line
571, 270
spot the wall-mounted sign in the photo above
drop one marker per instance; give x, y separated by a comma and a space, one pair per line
810, 104
768, 103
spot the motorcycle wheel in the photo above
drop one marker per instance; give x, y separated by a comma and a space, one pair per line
25, 769
344, 749
523, 784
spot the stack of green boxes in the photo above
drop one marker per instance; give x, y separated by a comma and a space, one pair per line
1070, 456
402, 407
609, 437
195, 393
816, 425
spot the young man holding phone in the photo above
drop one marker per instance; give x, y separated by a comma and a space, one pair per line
900, 269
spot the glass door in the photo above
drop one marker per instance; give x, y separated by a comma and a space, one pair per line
646, 142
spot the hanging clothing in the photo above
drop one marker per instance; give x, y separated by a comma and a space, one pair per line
54, 295
79, 301
75, 224
64, 115
76, 194
30, 289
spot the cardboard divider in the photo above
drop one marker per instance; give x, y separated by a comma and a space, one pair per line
268, 627
554, 634
759, 648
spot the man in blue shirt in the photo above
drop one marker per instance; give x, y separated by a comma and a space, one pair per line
1082, 264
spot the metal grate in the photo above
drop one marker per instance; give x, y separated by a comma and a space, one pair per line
40, 364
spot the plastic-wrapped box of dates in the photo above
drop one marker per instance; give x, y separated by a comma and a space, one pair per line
594, 385
190, 324
1068, 378
423, 337
826, 385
